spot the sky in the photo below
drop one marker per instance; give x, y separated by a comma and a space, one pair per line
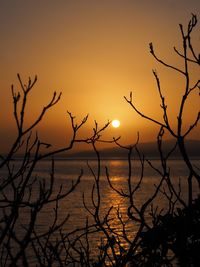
94, 52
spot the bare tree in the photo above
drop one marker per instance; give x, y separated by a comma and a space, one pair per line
23, 195
157, 242
142, 234
166, 234
189, 56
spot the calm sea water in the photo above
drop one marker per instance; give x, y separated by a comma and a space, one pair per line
67, 171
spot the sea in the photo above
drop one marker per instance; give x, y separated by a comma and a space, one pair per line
113, 183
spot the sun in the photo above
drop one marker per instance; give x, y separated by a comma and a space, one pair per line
115, 123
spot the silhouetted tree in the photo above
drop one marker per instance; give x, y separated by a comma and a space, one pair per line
24, 196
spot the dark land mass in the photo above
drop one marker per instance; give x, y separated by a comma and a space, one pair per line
150, 150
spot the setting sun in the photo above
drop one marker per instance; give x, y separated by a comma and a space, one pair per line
115, 123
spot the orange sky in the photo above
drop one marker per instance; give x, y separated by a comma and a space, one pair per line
95, 52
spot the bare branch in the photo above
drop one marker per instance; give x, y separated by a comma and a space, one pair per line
162, 62
53, 102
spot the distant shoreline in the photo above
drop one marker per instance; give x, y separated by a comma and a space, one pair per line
149, 150
64, 158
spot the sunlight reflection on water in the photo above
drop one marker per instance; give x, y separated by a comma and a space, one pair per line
67, 170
